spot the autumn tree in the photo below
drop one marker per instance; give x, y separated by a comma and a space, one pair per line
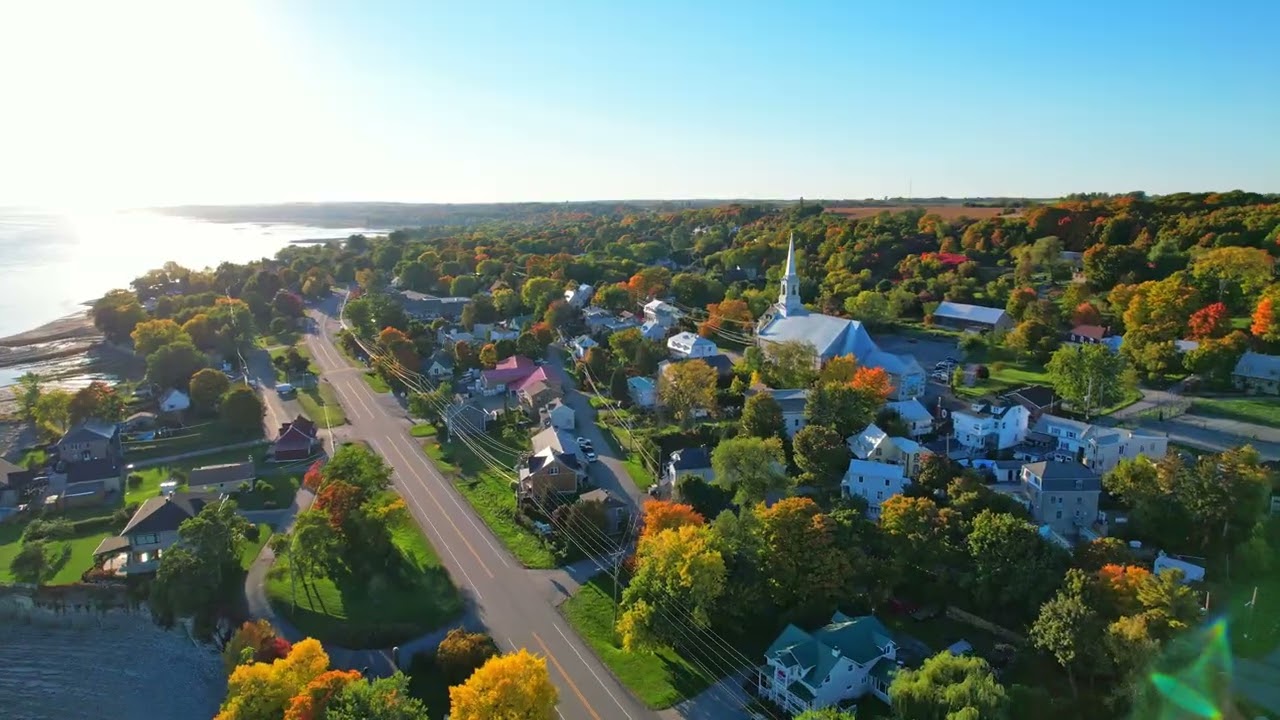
311, 703
151, 335
515, 686
659, 515
1019, 300
1266, 316
52, 412
731, 315
1086, 313
949, 687
1234, 274
461, 653
678, 574
839, 370
207, 388
761, 416
488, 356
923, 536
117, 314
258, 691
873, 384
687, 387
96, 400
806, 568
1214, 360
255, 641
385, 698
1210, 321
751, 467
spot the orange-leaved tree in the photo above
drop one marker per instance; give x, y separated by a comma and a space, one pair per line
1086, 314
516, 686
873, 381
1266, 316
263, 690
311, 702
1210, 321
254, 642
339, 499
662, 515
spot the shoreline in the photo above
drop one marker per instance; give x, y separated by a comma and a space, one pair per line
72, 334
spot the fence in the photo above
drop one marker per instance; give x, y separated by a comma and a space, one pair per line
999, 631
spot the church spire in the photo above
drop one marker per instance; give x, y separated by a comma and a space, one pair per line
789, 296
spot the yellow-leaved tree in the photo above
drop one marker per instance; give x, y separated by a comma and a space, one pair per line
262, 691
515, 686
678, 573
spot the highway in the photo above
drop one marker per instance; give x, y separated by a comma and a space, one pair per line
509, 601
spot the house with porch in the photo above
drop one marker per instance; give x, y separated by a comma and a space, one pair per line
989, 426
535, 395
557, 414
151, 531
687, 461
653, 330
690, 345
595, 318
297, 440
507, 372
616, 510
662, 313
1062, 495
580, 345
553, 470
440, 365
792, 402
842, 661
174, 401
1257, 374
579, 297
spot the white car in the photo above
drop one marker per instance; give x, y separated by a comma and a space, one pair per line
584, 443
591, 456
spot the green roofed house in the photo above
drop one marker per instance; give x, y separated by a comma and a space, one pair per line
842, 661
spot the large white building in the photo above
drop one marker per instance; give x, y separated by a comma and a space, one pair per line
690, 345
986, 427
1094, 446
788, 321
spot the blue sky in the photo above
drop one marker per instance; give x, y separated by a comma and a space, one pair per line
504, 101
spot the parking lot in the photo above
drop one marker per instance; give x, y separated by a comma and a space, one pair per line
927, 351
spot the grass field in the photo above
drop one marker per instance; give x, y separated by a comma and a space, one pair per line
250, 551
210, 435
423, 430
375, 382
79, 559
153, 476
374, 614
283, 489
660, 679
321, 404
489, 493
280, 351
1244, 409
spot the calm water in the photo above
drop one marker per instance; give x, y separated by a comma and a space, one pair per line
51, 263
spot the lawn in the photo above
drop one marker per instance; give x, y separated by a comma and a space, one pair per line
375, 381
210, 435
377, 613
283, 489
79, 559
269, 340
250, 551
280, 351
1243, 409
660, 679
423, 430
321, 404
153, 476
489, 493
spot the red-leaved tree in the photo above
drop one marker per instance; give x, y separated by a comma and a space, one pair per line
1209, 321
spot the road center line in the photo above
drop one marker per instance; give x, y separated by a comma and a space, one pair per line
565, 675
568, 642
442, 510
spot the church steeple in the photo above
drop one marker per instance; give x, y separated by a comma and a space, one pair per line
789, 297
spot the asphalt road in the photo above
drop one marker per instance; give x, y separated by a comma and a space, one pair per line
502, 596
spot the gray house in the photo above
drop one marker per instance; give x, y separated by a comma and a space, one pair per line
1256, 373
688, 461
92, 439
152, 530
224, 478
1062, 495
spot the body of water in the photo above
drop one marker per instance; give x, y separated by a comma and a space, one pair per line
51, 263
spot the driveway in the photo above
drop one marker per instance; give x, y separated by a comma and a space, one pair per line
609, 473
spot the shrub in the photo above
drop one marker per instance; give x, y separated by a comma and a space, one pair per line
983, 372
265, 488
252, 533
268, 504
135, 481
92, 525
461, 652
57, 529
243, 487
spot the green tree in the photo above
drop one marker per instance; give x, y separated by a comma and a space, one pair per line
33, 562
826, 714
762, 417
240, 408
358, 465
1090, 377
29, 389
1069, 628
687, 387
116, 314
842, 408
822, 455
460, 653
172, 365
52, 412
559, 314
376, 699
949, 687
151, 335
792, 364
869, 307
207, 387
614, 297
805, 566
678, 573
537, 294
98, 400
198, 574
1014, 569
751, 467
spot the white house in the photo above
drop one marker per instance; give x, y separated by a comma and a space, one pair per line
440, 365
876, 445
557, 414
987, 427
1190, 571
661, 313
874, 482
844, 660
579, 297
1097, 447
596, 318
914, 414
653, 330
174, 401
643, 391
581, 344
690, 345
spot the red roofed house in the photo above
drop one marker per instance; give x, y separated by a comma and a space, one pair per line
297, 441
506, 373
1089, 334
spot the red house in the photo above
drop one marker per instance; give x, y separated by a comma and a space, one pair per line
297, 440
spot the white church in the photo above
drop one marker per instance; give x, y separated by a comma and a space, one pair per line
831, 336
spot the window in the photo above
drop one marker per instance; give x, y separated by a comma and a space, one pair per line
1079, 500
796, 422
553, 470
879, 495
886, 482
1059, 515
146, 539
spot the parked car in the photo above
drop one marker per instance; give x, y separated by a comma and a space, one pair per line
285, 390
591, 456
584, 443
